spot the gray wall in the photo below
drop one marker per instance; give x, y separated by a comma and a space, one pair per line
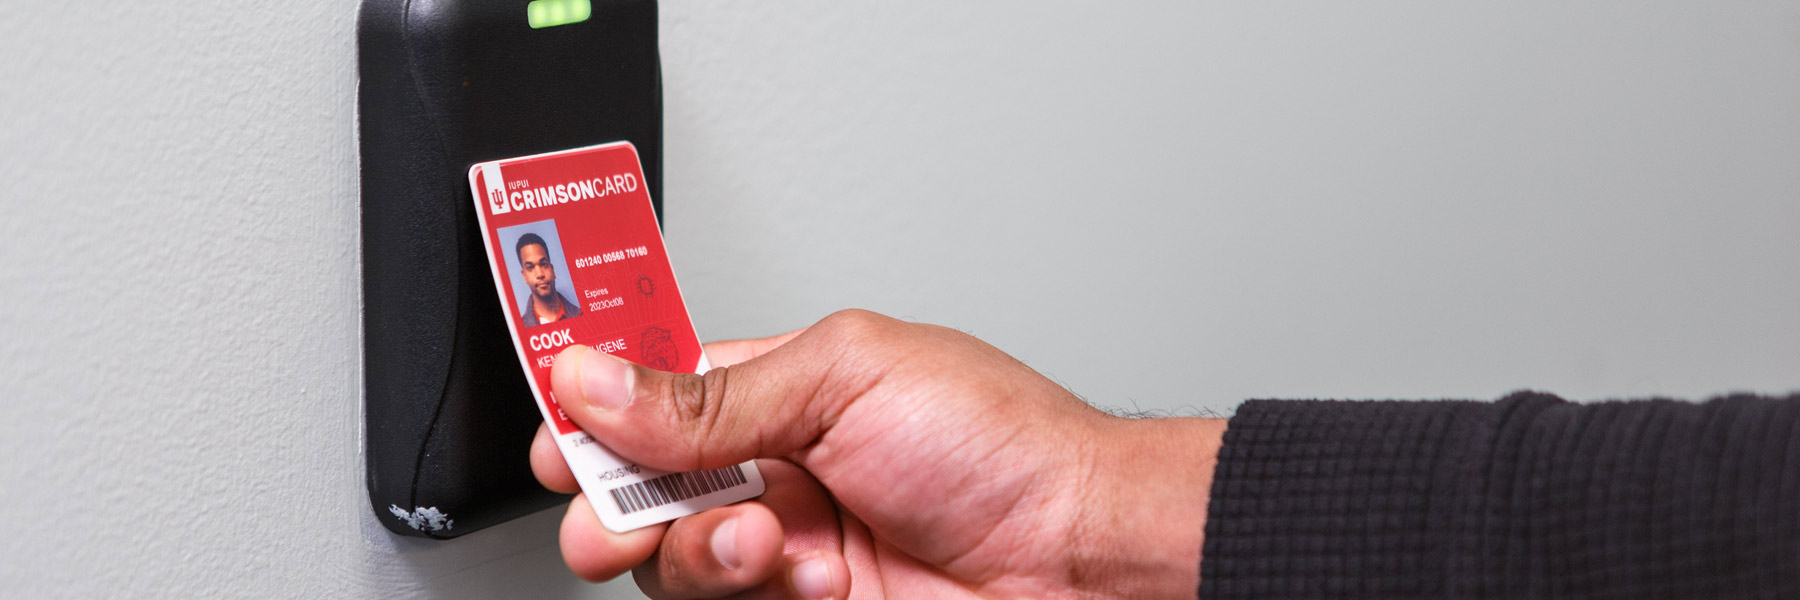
1165, 205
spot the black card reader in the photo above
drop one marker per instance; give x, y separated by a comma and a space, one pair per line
443, 85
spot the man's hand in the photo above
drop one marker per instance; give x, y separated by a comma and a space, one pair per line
902, 460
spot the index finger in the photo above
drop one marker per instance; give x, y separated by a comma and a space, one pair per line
730, 352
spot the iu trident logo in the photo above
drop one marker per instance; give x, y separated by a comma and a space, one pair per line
497, 202
496, 189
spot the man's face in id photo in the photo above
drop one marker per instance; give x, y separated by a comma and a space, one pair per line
540, 275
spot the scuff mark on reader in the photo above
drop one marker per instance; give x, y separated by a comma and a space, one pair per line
423, 518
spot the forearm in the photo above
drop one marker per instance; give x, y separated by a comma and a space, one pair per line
1527, 496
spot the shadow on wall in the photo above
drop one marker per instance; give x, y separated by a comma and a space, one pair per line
518, 559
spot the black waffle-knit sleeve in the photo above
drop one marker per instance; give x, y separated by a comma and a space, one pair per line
1528, 497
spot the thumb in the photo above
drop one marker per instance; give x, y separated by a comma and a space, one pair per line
769, 406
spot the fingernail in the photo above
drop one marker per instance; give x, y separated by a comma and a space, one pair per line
724, 544
605, 381
811, 579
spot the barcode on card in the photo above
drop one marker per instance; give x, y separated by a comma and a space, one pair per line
675, 487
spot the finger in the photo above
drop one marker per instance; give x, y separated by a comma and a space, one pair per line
714, 553
769, 406
548, 466
814, 532
596, 553
806, 576
808, 522
817, 576
730, 352
809, 518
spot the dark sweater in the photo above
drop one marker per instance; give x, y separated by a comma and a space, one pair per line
1528, 497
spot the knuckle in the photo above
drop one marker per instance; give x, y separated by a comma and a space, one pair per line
697, 402
857, 324
592, 570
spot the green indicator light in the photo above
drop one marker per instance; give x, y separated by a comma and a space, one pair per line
550, 13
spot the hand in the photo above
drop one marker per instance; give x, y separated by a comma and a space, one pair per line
902, 460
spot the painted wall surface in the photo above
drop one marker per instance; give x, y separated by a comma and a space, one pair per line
1164, 205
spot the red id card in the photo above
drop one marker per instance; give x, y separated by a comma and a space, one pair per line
578, 258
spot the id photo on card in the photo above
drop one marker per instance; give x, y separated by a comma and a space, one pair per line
539, 273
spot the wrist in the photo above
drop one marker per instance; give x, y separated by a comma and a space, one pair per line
1144, 506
